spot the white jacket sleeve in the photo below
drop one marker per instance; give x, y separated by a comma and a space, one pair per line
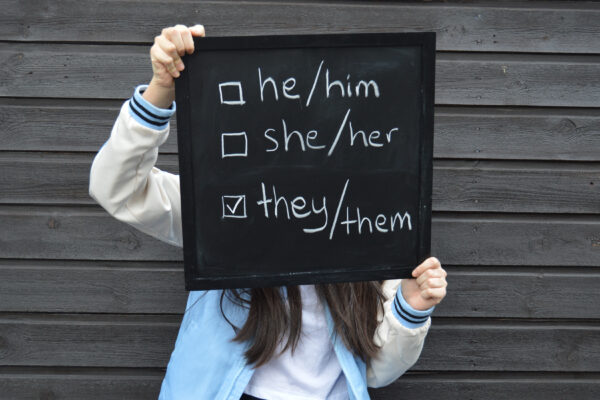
124, 180
400, 336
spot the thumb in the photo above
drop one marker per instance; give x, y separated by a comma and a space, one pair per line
197, 30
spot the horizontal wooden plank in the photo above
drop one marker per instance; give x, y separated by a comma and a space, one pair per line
74, 384
85, 71
98, 341
533, 134
460, 132
510, 346
516, 187
557, 27
99, 288
61, 233
492, 386
88, 233
497, 240
473, 186
127, 384
92, 341
104, 287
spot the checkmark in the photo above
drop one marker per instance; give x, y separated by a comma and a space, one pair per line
234, 206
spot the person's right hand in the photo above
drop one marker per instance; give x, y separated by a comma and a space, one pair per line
165, 54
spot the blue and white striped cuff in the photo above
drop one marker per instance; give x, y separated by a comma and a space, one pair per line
408, 316
148, 114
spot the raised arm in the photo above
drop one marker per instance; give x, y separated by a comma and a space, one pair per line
123, 178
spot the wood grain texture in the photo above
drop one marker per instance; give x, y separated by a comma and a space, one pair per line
63, 233
531, 134
157, 288
91, 234
466, 186
118, 384
90, 307
517, 346
459, 132
497, 240
83, 287
111, 72
492, 386
81, 340
476, 26
470, 186
118, 341
98, 384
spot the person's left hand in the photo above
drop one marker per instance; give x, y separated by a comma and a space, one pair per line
429, 287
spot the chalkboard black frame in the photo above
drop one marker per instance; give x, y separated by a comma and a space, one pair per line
424, 40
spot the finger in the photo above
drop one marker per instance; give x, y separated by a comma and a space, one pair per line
198, 30
186, 36
431, 262
434, 283
430, 273
435, 294
170, 49
165, 60
174, 36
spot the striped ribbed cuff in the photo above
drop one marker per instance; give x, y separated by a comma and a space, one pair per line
148, 114
408, 316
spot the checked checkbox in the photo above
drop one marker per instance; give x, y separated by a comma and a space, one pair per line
234, 206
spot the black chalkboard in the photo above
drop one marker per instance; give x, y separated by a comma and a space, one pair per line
305, 158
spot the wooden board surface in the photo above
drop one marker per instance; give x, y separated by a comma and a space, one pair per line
460, 132
111, 72
516, 194
486, 239
106, 341
155, 288
121, 383
556, 27
466, 186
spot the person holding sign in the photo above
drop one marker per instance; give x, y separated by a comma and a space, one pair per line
323, 341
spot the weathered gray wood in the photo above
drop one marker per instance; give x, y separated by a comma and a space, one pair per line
517, 240
460, 132
155, 288
115, 341
53, 178
105, 287
477, 26
506, 345
519, 292
120, 384
82, 71
63, 233
534, 80
57, 384
46, 178
89, 233
492, 386
542, 134
87, 340
516, 187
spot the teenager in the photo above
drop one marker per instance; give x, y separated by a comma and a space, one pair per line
324, 341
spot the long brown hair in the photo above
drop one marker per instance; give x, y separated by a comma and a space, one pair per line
272, 317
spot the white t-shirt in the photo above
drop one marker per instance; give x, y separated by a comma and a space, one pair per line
314, 372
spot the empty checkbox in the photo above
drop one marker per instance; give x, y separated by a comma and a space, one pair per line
234, 144
231, 93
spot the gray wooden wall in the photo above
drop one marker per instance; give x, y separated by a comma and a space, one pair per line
89, 307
